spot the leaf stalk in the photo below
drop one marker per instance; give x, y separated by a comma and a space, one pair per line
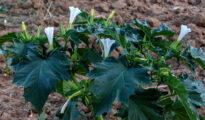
69, 98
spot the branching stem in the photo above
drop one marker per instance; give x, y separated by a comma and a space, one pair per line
167, 96
69, 98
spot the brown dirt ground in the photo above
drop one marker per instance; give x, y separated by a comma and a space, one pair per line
53, 12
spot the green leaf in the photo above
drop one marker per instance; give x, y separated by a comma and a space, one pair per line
144, 106
143, 26
119, 38
38, 75
114, 78
7, 38
131, 34
89, 55
163, 29
160, 46
84, 38
174, 109
82, 18
71, 112
195, 89
114, 46
175, 84
19, 50
63, 87
198, 55
187, 58
86, 58
99, 20
74, 39
97, 29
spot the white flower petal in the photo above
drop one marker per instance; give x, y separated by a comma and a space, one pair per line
107, 44
184, 30
49, 33
73, 13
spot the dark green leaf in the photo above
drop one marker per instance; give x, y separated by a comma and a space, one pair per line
144, 106
160, 46
174, 109
97, 29
7, 38
196, 90
143, 26
99, 20
115, 79
198, 55
62, 87
86, 58
186, 57
175, 84
82, 18
163, 29
71, 112
131, 34
38, 76
114, 46
119, 38
89, 55
19, 50
84, 38
74, 39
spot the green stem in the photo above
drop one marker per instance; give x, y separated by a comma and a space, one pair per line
69, 26
50, 46
167, 96
69, 98
175, 44
99, 118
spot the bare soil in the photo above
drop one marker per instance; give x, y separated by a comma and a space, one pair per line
53, 12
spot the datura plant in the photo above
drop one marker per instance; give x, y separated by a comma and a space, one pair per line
87, 73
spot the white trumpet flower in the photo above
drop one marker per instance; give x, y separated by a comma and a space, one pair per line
73, 13
107, 44
184, 30
49, 33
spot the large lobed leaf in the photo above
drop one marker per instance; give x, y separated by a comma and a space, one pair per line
131, 34
19, 50
38, 75
163, 29
197, 54
187, 58
143, 26
179, 88
174, 110
115, 79
144, 106
195, 89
